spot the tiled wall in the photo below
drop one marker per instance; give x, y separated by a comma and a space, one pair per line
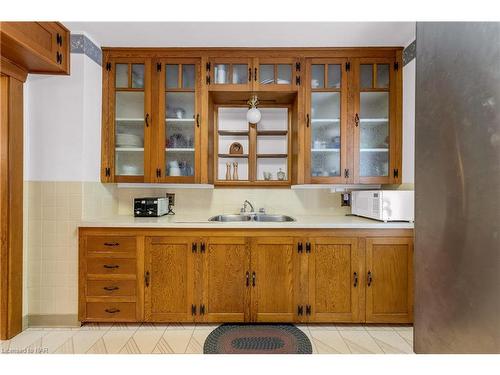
55, 209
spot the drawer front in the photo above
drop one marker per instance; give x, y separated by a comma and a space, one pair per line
114, 311
106, 288
111, 244
111, 266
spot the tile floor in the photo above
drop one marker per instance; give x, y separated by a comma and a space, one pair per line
148, 338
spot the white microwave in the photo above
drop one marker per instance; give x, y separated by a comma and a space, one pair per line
384, 205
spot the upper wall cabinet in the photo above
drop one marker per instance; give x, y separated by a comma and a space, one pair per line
233, 74
179, 121
39, 47
126, 139
377, 129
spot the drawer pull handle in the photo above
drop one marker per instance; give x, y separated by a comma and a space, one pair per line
111, 266
355, 279
369, 278
111, 288
111, 244
112, 311
248, 278
253, 278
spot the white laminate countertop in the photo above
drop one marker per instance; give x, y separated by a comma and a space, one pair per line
201, 221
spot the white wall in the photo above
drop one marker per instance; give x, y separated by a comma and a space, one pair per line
63, 124
409, 123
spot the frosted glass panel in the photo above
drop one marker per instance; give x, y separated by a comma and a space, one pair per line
121, 77
334, 76
266, 74
180, 105
188, 76
172, 74
318, 76
221, 73
366, 76
240, 74
325, 163
179, 162
374, 134
130, 105
284, 74
137, 76
129, 162
383, 75
325, 105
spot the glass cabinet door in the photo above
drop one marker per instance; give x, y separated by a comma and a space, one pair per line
373, 121
130, 119
230, 73
325, 120
180, 119
276, 74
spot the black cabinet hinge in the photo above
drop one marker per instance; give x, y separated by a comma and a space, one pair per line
208, 80
299, 247
202, 247
158, 67
108, 66
107, 172
396, 66
297, 80
346, 173
158, 172
297, 67
347, 66
207, 66
300, 310
194, 247
396, 173
308, 247
202, 309
308, 309
193, 309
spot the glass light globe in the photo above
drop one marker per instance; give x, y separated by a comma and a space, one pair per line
253, 115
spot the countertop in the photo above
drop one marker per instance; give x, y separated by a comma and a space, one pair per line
201, 221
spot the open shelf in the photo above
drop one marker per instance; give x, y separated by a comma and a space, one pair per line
130, 120
272, 156
373, 120
233, 156
131, 149
324, 120
272, 132
325, 149
180, 120
233, 132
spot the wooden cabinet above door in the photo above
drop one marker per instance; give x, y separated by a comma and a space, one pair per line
230, 74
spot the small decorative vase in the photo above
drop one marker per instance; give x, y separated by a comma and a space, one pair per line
228, 171
280, 175
235, 170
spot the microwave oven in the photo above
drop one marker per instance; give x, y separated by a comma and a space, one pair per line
384, 205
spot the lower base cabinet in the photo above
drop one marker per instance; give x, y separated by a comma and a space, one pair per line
200, 277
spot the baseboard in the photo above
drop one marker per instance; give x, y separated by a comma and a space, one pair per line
53, 320
25, 322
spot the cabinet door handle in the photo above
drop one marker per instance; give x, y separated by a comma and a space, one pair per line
369, 278
202, 247
299, 247
355, 279
308, 309
112, 311
356, 120
253, 278
110, 288
193, 309
255, 74
146, 278
249, 74
111, 244
194, 247
111, 266
198, 120
248, 278
308, 247
146, 119
300, 310
307, 120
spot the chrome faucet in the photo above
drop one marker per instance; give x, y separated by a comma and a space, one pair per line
243, 210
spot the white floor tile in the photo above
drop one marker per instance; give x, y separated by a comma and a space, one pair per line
391, 342
360, 342
329, 342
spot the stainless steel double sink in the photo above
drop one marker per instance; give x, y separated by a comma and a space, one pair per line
265, 218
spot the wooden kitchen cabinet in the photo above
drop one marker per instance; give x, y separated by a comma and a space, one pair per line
274, 281
229, 74
276, 74
389, 280
170, 279
248, 275
127, 121
226, 279
38, 47
336, 293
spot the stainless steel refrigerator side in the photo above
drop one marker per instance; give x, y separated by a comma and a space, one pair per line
457, 191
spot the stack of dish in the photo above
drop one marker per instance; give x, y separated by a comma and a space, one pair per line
128, 140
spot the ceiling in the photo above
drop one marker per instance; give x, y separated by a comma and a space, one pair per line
246, 34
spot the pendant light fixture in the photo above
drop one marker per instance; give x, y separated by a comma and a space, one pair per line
253, 114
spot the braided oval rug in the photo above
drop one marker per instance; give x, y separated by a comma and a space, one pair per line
257, 339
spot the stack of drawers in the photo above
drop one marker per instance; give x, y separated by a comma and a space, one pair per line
108, 278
